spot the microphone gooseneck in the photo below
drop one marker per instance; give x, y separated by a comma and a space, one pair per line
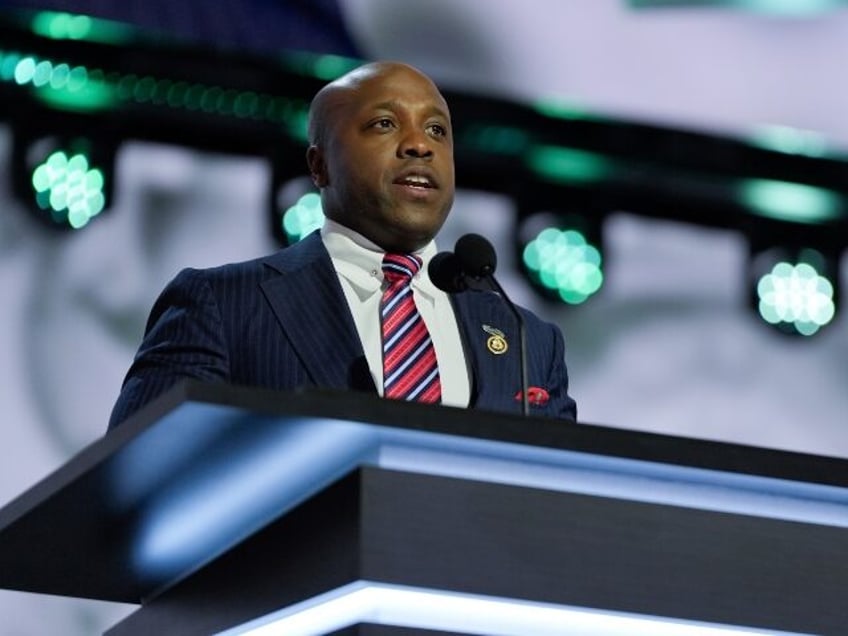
477, 258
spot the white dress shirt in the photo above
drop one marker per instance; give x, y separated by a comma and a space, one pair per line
359, 265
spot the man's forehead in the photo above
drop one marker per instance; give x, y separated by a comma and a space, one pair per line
358, 76
375, 70
379, 92
384, 74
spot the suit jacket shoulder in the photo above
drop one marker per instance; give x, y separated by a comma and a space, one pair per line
279, 322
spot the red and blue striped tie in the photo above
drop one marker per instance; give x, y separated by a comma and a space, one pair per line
410, 370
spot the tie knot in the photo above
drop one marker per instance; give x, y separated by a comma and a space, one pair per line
398, 267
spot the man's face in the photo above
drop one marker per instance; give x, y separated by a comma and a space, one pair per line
386, 164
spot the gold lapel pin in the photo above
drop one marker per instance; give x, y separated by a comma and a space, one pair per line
496, 342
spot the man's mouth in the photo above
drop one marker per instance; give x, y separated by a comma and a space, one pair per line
416, 180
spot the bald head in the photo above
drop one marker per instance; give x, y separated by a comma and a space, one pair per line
327, 100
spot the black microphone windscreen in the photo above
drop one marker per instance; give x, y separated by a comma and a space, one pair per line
476, 255
446, 273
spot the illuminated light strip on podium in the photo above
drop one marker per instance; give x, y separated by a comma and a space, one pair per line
284, 465
401, 606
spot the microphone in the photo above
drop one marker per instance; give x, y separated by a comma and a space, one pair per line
474, 256
445, 271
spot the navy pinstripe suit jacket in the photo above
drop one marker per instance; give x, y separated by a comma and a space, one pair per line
282, 322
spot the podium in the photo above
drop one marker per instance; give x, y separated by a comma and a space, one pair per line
220, 509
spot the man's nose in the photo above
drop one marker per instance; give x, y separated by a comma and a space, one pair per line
416, 144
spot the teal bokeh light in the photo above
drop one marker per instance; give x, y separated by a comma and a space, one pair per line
69, 189
796, 296
565, 263
303, 218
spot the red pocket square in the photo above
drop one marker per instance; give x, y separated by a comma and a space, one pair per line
536, 395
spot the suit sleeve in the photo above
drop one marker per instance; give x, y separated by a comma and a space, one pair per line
561, 404
184, 338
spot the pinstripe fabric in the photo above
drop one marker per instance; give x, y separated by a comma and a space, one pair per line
496, 378
281, 322
410, 370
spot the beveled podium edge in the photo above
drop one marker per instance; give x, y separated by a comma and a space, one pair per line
366, 408
584, 437
394, 420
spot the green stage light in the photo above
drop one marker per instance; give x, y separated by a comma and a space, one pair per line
303, 218
570, 166
557, 108
44, 73
494, 139
797, 297
8, 63
779, 8
85, 89
62, 26
564, 263
63, 86
68, 26
69, 189
25, 70
323, 67
795, 289
296, 122
791, 141
787, 201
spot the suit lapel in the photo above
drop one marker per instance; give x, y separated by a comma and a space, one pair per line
495, 376
310, 306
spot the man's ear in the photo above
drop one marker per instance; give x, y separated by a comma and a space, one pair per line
317, 166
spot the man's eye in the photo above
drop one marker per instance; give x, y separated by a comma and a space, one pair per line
385, 122
438, 130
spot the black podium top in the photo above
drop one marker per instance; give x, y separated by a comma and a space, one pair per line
205, 466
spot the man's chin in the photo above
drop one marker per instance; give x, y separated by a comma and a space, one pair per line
414, 236
406, 230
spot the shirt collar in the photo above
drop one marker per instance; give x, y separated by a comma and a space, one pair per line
360, 260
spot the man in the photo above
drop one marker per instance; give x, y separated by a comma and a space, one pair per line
314, 314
